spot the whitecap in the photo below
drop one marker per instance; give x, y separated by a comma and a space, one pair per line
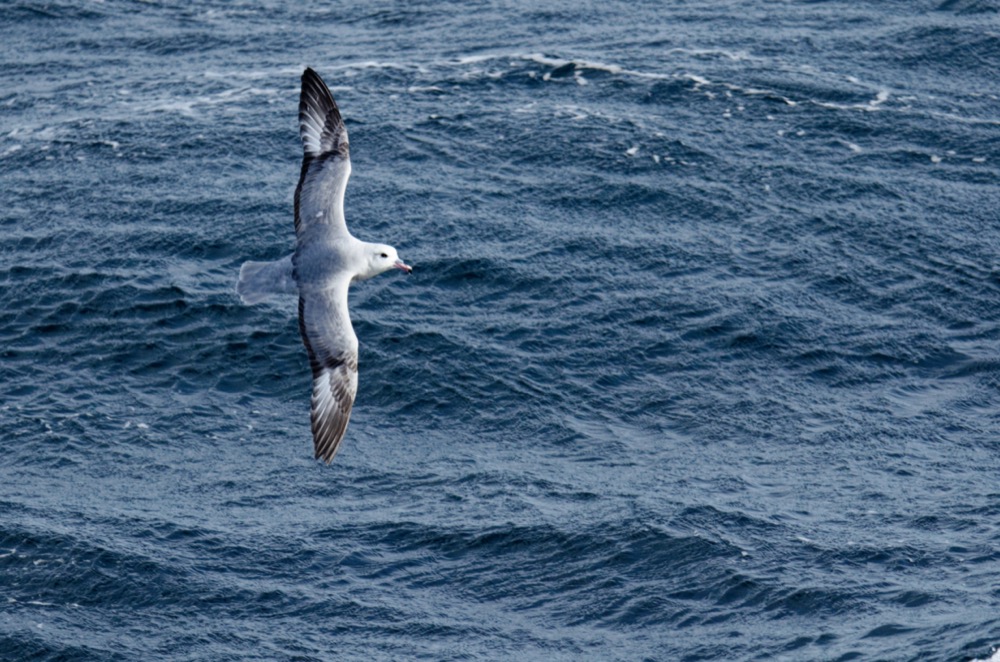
880, 98
474, 59
735, 56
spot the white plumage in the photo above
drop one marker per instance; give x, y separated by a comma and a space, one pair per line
327, 259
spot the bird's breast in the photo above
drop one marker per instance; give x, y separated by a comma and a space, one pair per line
320, 261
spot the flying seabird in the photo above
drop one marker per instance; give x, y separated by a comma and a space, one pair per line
327, 259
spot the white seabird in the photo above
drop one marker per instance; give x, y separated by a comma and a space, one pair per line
327, 259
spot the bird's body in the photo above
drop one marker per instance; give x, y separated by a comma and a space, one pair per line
327, 259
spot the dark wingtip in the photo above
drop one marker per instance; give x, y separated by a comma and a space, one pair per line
312, 79
314, 86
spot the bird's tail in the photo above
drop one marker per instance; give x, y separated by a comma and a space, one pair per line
259, 280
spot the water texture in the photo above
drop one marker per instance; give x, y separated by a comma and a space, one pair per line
699, 360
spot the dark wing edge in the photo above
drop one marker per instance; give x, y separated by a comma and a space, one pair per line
321, 129
335, 384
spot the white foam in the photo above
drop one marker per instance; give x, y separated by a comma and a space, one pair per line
735, 56
753, 91
188, 106
880, 98
632, 151
699, 81
253, 74
555, 63
475, 59
575, 112
375, 64
965, 120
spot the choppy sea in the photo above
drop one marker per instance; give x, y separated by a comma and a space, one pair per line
700, 359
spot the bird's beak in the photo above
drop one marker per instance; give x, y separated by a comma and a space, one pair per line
402, 266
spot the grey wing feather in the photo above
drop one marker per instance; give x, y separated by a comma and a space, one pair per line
326, 161
333, 356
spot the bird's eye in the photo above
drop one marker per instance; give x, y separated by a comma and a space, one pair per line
384, 255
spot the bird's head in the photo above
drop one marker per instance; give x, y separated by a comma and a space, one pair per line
381, 258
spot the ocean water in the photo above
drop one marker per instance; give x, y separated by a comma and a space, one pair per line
700, 359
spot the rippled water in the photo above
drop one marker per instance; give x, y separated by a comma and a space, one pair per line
699, 360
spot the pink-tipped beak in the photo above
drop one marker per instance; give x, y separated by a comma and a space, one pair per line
402, 266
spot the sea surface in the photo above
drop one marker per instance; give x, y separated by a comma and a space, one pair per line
700, 359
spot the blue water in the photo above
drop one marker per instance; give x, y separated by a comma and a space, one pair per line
699, 360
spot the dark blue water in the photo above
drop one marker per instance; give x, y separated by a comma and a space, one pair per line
699, 360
